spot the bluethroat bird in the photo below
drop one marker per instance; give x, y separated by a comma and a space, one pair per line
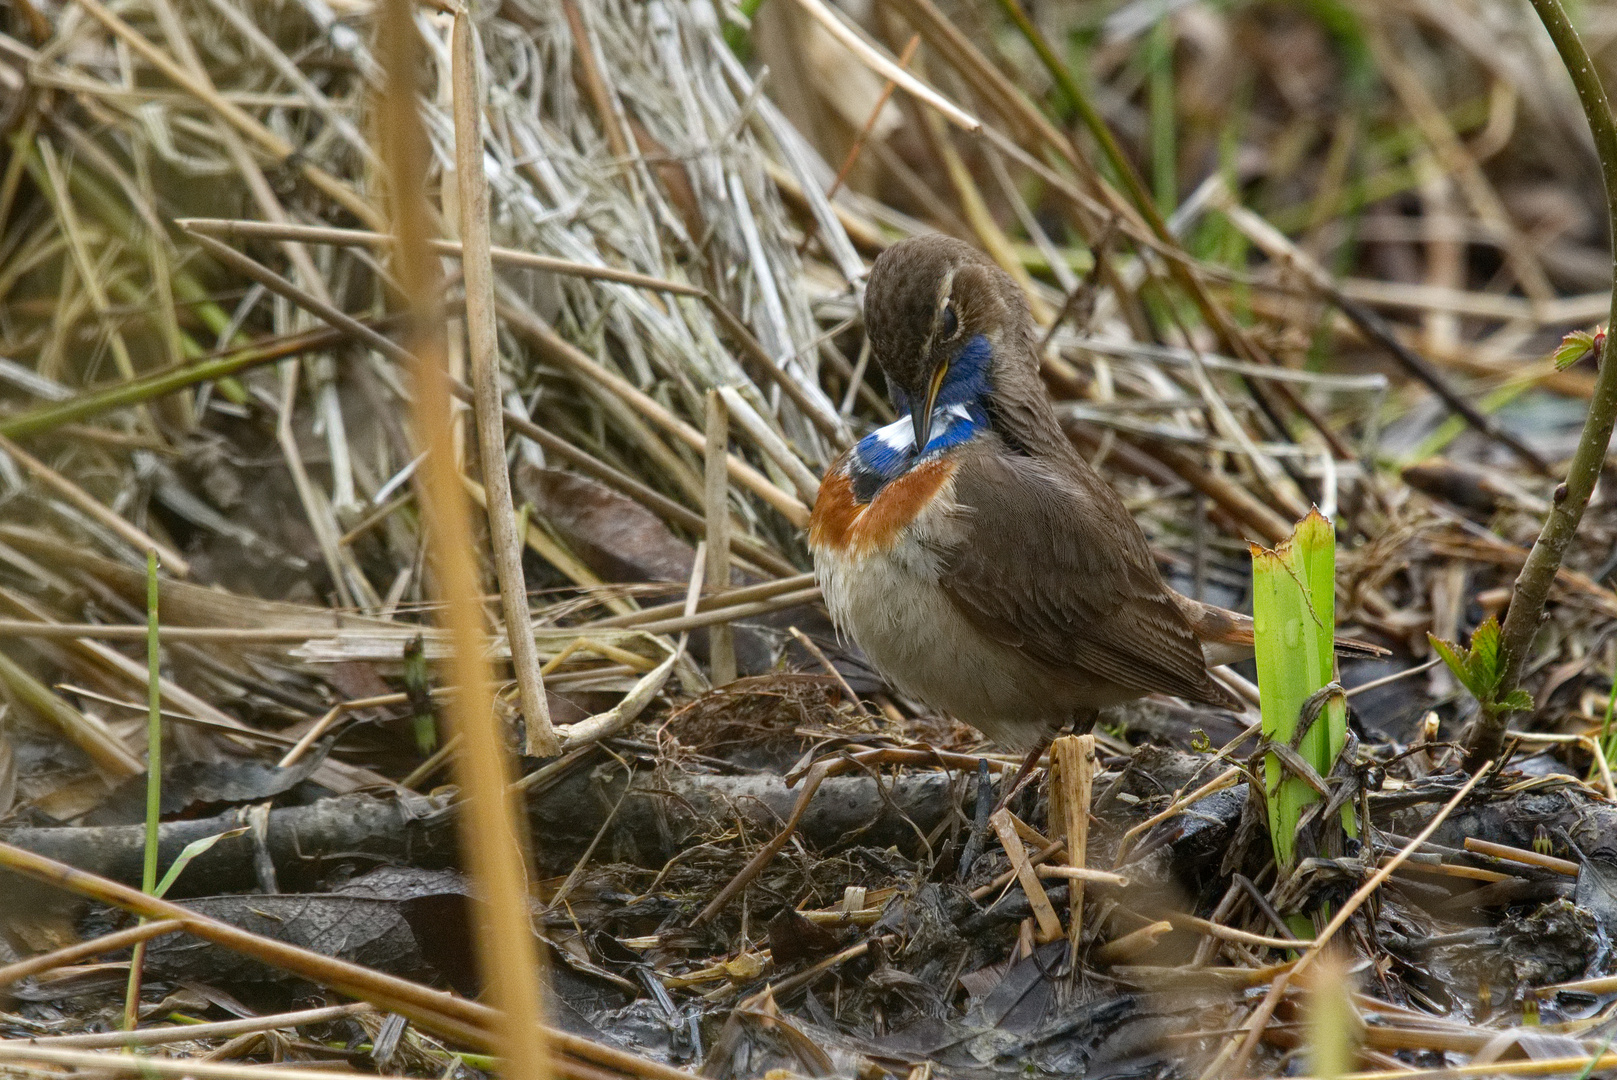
980, 562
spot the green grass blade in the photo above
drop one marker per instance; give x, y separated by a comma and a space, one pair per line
154, 781
1164, 139
154, 729
149, 387
192, 850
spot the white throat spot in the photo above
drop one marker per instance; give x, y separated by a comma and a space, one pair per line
899, 435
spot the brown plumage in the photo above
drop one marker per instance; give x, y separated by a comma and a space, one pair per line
1011, 588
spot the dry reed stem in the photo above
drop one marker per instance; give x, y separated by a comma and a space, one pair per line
92, 506
435, 1010
1585, 1065
1520, 855
748, 594
818, 411
483, 345
1230, 933
156, 384
986, 79
159, 1036
495, 834
1072, 782
721, 641
594, 84
72, 954
883, 65
716, 616
110, 756
1132, 944
553, 553
774, 447
242, 229
1043, 911
742, 473
94, 292
210, 635
1083, 874
604, 725
20, 1052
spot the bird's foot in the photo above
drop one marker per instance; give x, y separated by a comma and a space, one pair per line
1025, 773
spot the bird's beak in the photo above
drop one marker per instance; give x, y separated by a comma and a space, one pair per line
922, 418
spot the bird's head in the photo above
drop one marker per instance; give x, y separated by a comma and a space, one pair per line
945, 325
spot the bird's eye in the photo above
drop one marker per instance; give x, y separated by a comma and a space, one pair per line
951, 323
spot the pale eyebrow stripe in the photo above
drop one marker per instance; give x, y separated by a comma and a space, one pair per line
946, 287
945, 290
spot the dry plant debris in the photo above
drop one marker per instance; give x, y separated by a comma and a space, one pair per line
1282, 255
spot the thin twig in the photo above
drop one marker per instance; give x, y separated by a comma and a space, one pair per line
830, 668
869, 125
242, 229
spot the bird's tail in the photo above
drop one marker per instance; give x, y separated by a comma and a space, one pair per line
1227, 637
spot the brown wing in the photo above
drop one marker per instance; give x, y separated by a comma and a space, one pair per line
1052, 564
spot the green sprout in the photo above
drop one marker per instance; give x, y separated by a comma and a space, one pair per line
1304, 709
417, 684
1480, 669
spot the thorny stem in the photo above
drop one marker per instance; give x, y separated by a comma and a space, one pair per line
1571, 498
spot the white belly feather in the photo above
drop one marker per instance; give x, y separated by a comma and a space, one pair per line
891, 604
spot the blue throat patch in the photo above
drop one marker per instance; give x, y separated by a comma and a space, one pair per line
958, 415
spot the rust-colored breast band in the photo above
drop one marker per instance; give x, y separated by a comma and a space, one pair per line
842, 525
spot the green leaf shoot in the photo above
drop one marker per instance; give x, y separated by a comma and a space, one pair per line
1576, 345
1480, 669
1294, 617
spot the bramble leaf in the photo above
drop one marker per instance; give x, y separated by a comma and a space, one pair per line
1478, 668
1458, 662
1518, 700
1574, 347
1485, 654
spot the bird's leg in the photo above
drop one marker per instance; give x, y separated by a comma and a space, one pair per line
1025, 772
1082, 721
979, 824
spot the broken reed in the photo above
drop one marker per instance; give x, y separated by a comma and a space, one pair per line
1294, 618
